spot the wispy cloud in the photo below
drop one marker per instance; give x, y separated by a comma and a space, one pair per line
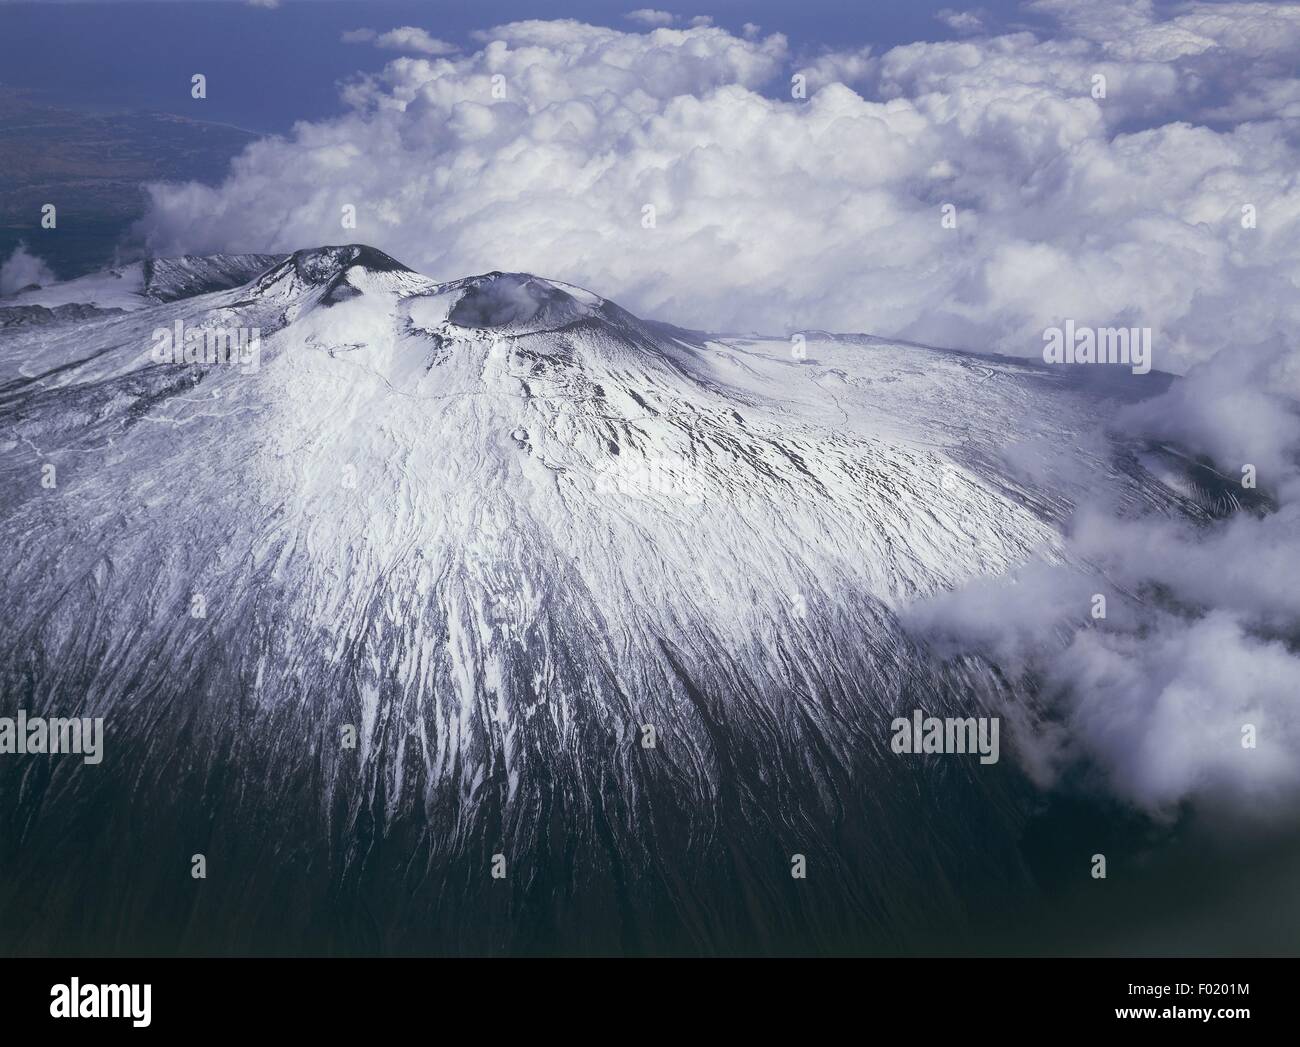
404, 38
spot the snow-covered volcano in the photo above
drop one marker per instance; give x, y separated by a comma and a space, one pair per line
497, 529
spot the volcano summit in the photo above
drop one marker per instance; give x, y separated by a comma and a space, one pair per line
371, 623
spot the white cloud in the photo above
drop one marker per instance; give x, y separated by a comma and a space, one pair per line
1164, 715
776, 213
841, 67
1199, 635
651, 17
404, 38
269, 4
21, 269
1238, 407
971, 21
1131, 30
1155, 697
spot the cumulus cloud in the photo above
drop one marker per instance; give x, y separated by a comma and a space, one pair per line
970, 21
403, 38
1185, 690
1166, 713
1240, 408
841, 67
1236, 60
269, 4
1184, 693
649, 16
22, 269
539, 151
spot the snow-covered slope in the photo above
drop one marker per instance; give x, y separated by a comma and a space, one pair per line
500, 526
142, 283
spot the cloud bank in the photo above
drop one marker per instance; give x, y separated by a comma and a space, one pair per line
1185, 692
540, 151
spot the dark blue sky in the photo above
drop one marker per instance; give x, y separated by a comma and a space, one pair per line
267, 68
